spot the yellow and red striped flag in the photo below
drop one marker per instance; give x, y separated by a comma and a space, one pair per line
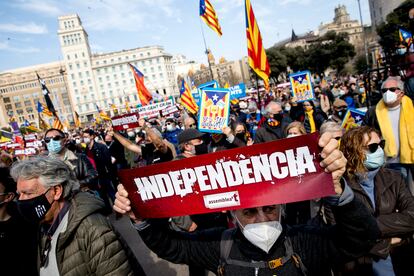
77, 120
209, 16
127, 107
187, 100
57, 124
256, 52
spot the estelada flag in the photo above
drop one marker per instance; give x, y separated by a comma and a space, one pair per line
42, 108
102, 114
405, 36
42, 124
144, 95
187, 99
256, 53
209, 16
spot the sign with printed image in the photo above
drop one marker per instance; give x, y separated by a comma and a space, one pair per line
214, 110
125, 121
301, 86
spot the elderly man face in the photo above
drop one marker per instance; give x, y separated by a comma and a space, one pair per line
32, 194
392, 94
258, 214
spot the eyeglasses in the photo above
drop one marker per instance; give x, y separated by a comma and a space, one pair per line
374, 146
392, 89
267, 210
54, 138
192, 125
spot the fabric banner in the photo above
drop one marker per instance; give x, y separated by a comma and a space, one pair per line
26, 151
302, 86
264, 174
125, 121
214, 110
237, 91
153, 110
353, 118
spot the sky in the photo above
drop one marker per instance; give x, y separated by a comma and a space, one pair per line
28, 28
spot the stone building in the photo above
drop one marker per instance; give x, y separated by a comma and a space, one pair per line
20, 92
379, 9
106, 79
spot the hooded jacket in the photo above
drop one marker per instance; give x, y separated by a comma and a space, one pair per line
89, 245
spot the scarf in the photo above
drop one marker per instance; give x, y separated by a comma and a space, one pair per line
406, 130
309, 116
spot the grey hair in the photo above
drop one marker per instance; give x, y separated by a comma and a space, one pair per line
156, 132
269, 105
329, 126
400, 83
49, 171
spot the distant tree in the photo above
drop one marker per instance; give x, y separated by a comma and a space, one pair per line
388, 31
360, 64
277, 62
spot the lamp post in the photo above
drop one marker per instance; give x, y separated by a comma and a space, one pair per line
363, 34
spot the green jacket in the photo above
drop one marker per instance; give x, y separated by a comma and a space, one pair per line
89, 246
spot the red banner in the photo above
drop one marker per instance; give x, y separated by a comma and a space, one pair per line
264, 174
125, 121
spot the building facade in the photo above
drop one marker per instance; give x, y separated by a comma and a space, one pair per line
379, 9
20, 92
342, 23
106, 79
231, 72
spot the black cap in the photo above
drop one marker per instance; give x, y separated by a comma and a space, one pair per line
170, 120
189, 134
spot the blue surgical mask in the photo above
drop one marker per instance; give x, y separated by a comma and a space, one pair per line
374, 160
54, 147
401, 51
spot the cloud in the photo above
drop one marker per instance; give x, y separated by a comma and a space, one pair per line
29, 28
5, 46
45, 7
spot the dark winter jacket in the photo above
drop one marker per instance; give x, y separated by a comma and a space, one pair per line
319, 248
89, 246
102, 157
84, 171
266, 133
394, 208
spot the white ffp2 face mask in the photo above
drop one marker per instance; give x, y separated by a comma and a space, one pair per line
263, 234
389, 97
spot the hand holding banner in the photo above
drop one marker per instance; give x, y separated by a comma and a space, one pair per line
277, 172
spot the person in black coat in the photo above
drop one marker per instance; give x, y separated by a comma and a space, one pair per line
107, 175
279, 249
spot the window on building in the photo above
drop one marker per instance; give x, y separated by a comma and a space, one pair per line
148, 53
100, 79
112, 60
70, 66
80, 74
141, 54
16, 98
81, 82
78, 65
76, 56
116, 84
27, 103
113, 68
18, 105
19, 111
161, 75
85, 64
89, 81
115, 76
119, 58
87, 73
6, 99
107, 78
106, 70
104, 61
68, 57
29, 109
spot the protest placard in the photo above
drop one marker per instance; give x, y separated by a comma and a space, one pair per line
277, 172
125, 121
214, 110
301, 86
25, 151
237, 91
353, 118
153, 110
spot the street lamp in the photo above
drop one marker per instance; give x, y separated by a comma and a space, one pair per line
363, 34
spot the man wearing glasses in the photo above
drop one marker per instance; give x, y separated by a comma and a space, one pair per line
261, 244
393, 116
55, 141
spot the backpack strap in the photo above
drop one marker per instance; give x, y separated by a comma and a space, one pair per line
226, 244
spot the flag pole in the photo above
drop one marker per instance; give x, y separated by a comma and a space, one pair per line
206, 49
259, 105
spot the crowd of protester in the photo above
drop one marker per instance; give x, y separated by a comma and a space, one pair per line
54, 206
